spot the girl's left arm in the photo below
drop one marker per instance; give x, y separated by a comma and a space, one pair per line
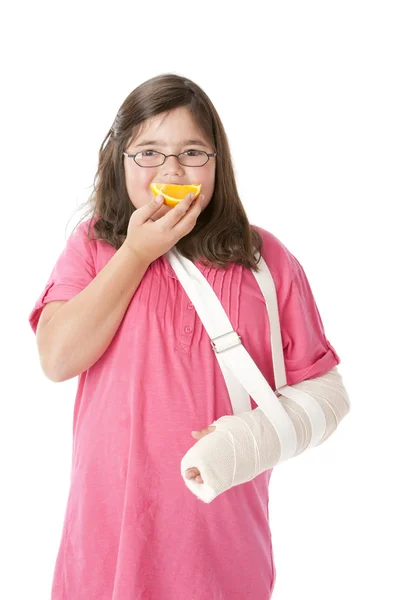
236, 448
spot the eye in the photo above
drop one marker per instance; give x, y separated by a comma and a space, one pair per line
193, 152
149, 153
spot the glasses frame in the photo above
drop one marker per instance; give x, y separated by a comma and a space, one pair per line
209, 155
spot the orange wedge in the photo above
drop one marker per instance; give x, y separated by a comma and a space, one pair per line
174, 193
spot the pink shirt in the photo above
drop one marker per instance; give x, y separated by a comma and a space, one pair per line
132, 529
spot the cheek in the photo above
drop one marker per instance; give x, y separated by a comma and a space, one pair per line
140, 179
207, 180
138, 186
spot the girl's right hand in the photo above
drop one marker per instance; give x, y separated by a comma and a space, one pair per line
151, 239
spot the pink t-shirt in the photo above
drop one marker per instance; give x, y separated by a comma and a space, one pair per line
132, 529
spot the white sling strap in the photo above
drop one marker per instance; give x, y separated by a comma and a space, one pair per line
242, 376
307, 402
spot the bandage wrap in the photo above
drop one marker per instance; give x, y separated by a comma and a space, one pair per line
245, 445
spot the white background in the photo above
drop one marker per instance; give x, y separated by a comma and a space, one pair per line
309, 95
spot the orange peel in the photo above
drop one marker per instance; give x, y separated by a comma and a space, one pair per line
174, 193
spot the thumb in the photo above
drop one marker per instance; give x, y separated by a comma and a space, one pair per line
159, 199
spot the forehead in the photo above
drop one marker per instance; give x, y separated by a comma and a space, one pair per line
172, 126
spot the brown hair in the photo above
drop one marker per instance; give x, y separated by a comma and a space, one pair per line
222, 234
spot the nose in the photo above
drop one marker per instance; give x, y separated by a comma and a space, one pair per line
172, 165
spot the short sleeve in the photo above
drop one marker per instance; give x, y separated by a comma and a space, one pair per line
307, 352
72, 272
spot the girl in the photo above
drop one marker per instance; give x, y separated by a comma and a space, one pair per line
114, 313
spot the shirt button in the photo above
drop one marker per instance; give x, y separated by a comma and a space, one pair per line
188, 329
190, 306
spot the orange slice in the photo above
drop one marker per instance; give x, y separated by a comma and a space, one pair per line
174, 193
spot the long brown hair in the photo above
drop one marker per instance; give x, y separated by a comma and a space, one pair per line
222, 234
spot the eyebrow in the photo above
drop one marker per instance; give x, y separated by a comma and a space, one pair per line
159, 143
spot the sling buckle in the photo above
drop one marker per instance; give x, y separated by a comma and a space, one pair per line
230, 340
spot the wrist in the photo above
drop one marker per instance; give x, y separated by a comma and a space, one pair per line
132, 256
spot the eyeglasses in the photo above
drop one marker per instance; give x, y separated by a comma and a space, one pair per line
190, 158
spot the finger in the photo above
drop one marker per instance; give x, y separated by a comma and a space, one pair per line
145, 212
199, 434
192, 473
187, 207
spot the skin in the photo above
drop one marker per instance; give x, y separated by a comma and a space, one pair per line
194, 473
170, 130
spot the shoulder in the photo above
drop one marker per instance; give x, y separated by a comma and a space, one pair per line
280, 260
83, 240
83, 229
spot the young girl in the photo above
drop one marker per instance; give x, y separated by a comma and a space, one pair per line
114, 313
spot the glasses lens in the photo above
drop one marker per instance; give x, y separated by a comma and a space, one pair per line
193, 158
149, 159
